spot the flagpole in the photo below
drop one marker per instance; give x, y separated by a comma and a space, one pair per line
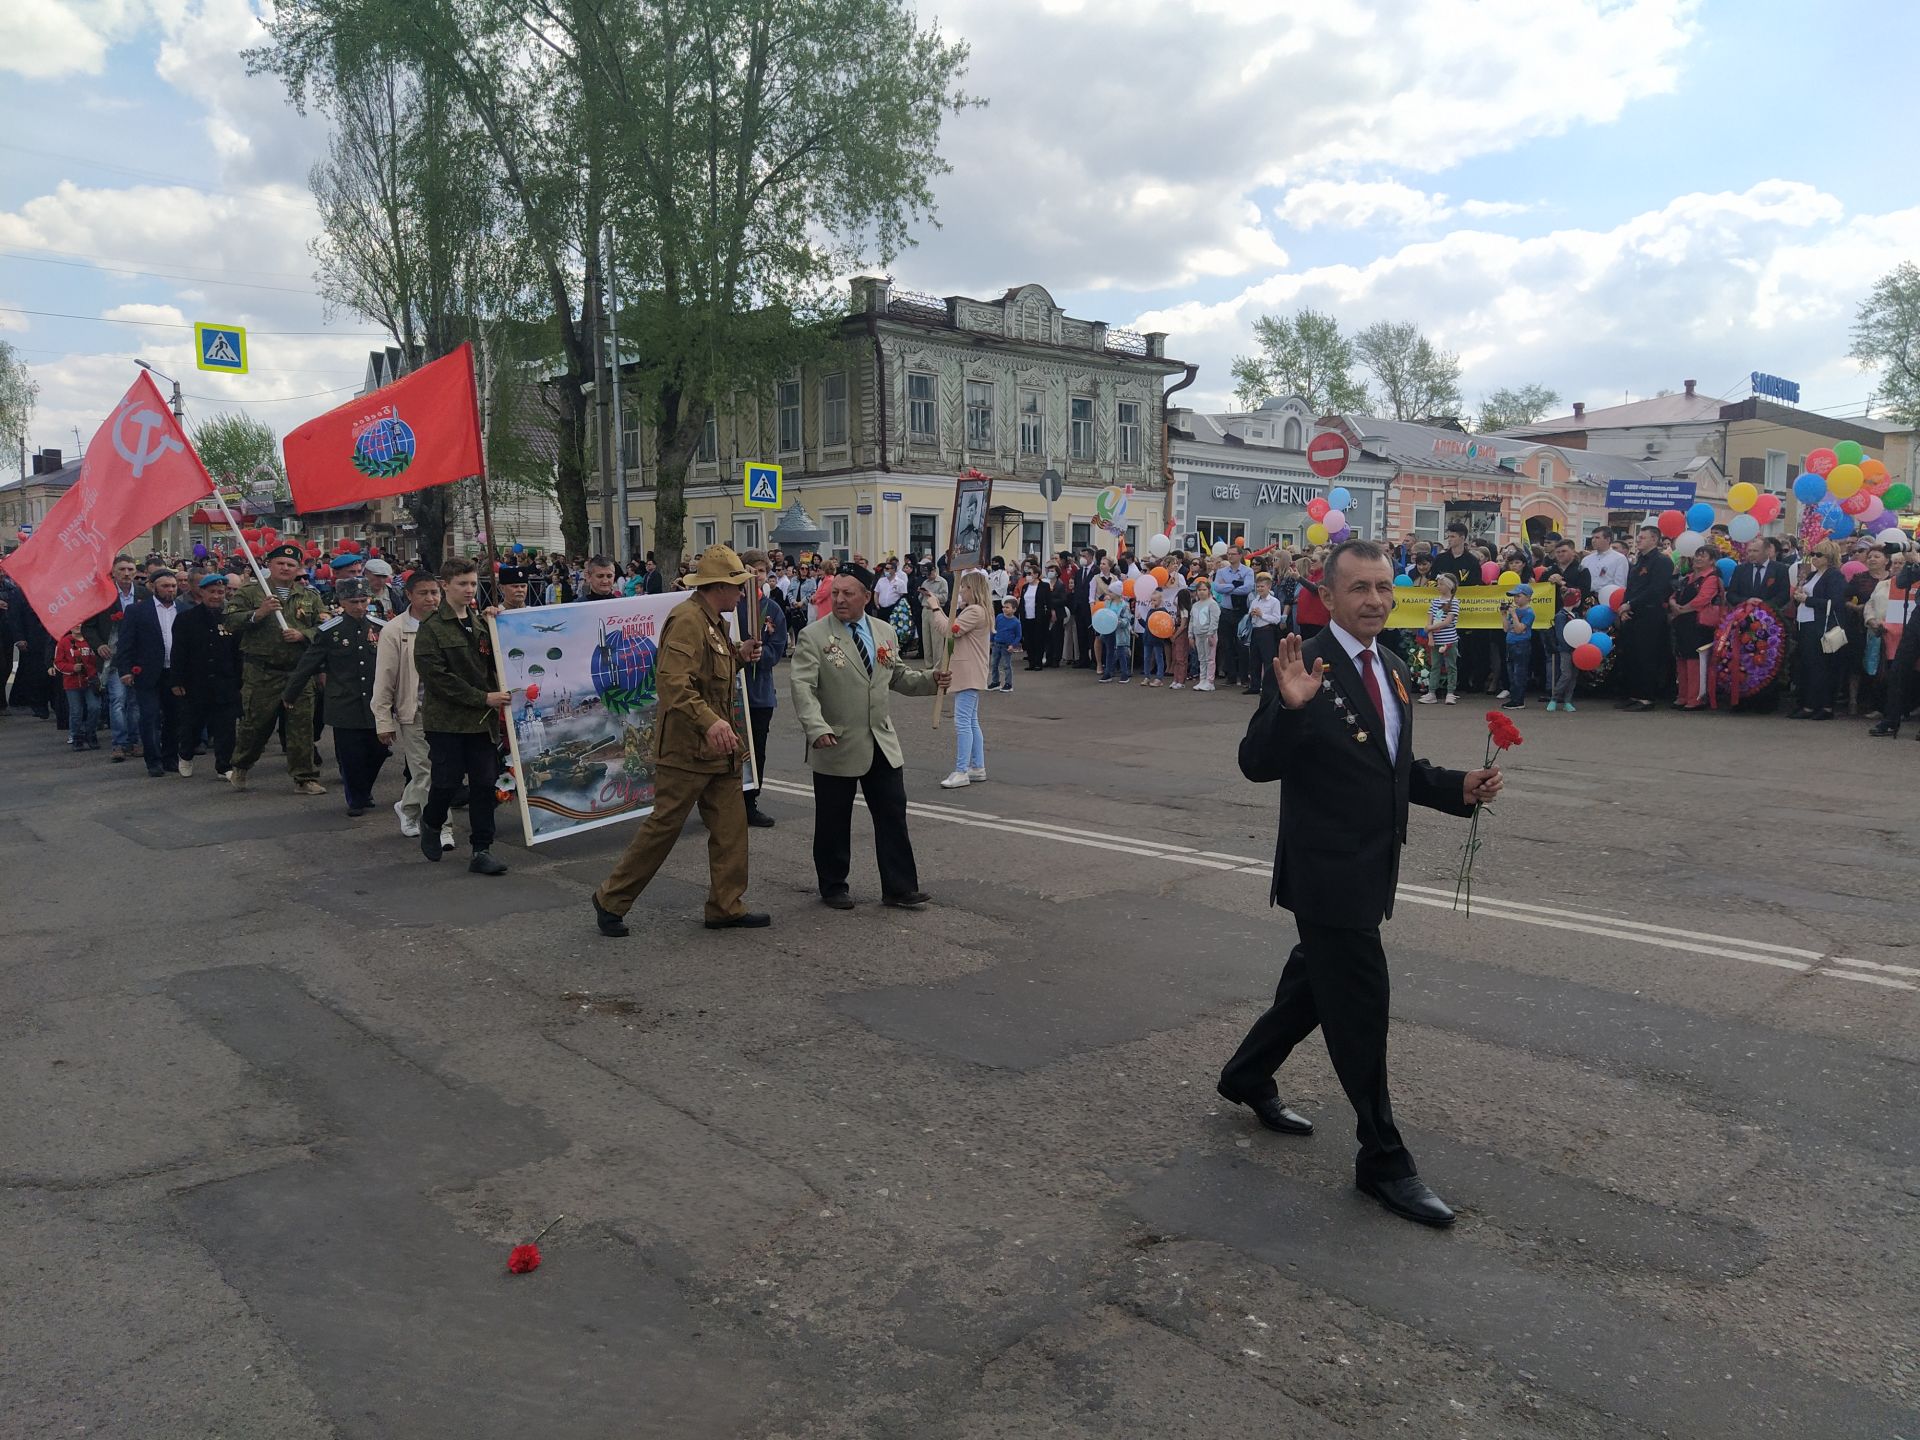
247, 550
486, 502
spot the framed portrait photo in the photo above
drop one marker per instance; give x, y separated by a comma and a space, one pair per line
972, 533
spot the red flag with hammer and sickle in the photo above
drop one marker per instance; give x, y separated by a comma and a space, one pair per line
139, 469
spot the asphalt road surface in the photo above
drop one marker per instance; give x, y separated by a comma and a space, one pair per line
279, 1096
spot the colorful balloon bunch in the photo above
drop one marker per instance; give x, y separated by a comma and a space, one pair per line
1850, 491
1328, 517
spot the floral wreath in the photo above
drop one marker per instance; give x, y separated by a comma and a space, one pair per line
1747, 650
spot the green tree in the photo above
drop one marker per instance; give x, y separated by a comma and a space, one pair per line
742, 153
1886, 337
1303, 355
17, 395
1509, 406
1416, 377
239, 450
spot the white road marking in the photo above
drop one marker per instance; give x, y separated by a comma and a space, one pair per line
1612, 927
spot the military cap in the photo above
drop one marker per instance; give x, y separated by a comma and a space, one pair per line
212, 577
350, 590
346, 561
512, 575
287, 551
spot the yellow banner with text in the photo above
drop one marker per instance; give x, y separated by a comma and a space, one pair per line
1479, 605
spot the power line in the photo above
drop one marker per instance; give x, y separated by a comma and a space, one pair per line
256, 194
275, 400
181, 325
108, 261
153, 274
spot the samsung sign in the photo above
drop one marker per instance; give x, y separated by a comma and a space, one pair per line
1787, 390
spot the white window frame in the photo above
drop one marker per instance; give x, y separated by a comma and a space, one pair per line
1215, 527
708, 451
1080, 428
1429, 529
1028, 548
912, 548
841, 520
630, 438
833, 410
1293, 436
1127, 432
746, 533
1775, 473
979, 400
1546, 470
926, 406
704, 532
1033, 424
785, 408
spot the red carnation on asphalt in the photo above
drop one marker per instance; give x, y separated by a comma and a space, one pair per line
525, 1258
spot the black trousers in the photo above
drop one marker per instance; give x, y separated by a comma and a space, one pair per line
1033, 642
1899, 671
1083, 624
160, 723
885, 787
457, 758
1337, 980
760, 721
1232, 661
1057, 639
1265, 646
360, 755
216, 717
1816, 668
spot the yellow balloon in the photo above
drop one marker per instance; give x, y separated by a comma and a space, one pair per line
1844, 481
1316, 534
1507, 577
1740, 498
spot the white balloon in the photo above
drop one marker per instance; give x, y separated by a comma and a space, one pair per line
1743, 528
1607, 594
1895, 537
1145, 587
1159, 546
1688, 542
1578, 633
1219, 547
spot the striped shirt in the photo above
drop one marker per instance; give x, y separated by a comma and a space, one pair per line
1442, 622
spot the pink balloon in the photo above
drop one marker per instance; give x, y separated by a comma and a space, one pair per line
1853, 568
1489, 573
1334, 520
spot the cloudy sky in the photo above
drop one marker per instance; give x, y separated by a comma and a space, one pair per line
1605, 196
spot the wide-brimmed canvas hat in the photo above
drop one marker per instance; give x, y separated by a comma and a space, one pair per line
718, 566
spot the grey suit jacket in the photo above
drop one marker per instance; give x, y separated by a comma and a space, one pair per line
834, 695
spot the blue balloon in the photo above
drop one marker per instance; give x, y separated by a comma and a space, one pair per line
1340, 497
1600, 617
1700, 518
1725, 566
1842, 525
1602, 643
1406, 580
1105, 621
1809, 488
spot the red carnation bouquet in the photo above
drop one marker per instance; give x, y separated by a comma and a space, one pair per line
1502, 734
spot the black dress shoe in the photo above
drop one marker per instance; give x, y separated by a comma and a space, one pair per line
1884, 731
912, 900
483, 863
838, 900
610, 924
752, 920
757, 820
430, 843
1271, 1113
1411, 1199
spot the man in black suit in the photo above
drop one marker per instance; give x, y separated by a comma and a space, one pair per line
1761, 576
144, 660
206, 665
1336, 730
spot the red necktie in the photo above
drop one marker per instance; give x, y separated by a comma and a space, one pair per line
1372, 682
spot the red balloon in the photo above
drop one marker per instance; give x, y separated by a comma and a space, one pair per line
1317, 508
1821, 461
1766, 509
1672, 524
1587, 657
1489, 573
1857, 503
352, 547
1539, 572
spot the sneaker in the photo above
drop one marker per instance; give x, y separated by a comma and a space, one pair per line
483, 863
447, 842
1552, 705
1104, 680
186, 769
119, 755
1451, 699
309, 787
408, 828
956, 781
1178, 686
1204, 685
431, 850
1429, 699
1502, 695
1513, 705
1568, 707
226, 775
237, 777
976, 777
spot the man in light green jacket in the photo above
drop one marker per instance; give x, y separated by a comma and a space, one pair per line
845, 669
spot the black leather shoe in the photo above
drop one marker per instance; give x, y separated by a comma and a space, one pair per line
912, 900
1272, 1114
1411, 1199
838, 900
752, 920
759, 821
610, 924
483, 863
1884, 731
430, 844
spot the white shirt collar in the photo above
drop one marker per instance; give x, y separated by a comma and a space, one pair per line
1352, 646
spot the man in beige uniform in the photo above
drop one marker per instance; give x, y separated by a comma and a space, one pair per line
696, 754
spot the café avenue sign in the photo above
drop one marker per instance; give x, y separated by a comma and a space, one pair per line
1270, 494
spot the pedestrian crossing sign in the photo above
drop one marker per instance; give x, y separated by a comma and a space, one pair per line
762, 486
220, 347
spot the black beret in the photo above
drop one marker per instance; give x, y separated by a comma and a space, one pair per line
858, 572
288, 551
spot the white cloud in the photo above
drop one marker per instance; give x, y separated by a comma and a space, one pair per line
42, 39
1378, 204
1708, 287
1244, 97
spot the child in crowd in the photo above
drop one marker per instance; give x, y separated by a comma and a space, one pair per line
1560, 672
1203, 625
1006, 636
1443, 634
79, 671
1516, 618
1119, 664
1182, 641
